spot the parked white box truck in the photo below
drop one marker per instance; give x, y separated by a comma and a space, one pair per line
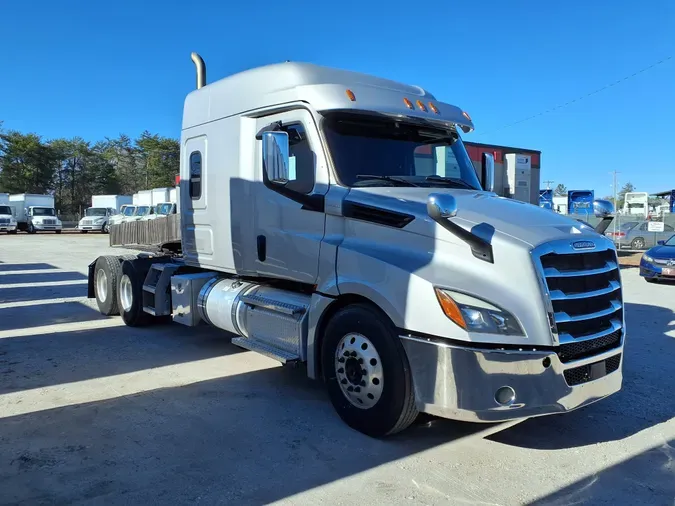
7, 220
316, 228
35, 213
103, 208
164, 203
143, 202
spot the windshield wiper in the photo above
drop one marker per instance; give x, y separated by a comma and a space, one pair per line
392, 179
450, 181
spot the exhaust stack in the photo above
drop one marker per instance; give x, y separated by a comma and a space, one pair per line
201, 70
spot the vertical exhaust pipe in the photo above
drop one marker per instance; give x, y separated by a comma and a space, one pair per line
201, 70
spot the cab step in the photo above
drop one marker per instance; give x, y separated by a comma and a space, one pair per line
283, 356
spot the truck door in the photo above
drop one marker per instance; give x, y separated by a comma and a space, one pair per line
289, 227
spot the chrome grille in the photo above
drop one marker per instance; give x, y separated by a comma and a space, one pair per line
49, 222
87, 222
4, 221
586, 300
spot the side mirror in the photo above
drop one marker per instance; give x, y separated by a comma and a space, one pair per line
488, 172
441, 206
661, 243
275, 157
603, 208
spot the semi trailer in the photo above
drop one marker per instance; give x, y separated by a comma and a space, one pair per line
35, 213
317, 227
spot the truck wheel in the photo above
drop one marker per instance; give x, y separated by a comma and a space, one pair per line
638, 243
105, 229
31, 229
367, 372
106, 278
58, 231
130, 293
83, 231
12, 232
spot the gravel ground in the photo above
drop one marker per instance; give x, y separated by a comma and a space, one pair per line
92, 412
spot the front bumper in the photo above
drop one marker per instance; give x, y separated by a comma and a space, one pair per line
652, 271
41, 227
8, 228
91, 227
460, 383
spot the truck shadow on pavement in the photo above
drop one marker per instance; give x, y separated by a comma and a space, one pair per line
46, 277
33, 293
648, 371
4, 267
43, 315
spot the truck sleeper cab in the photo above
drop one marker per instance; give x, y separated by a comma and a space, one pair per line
343, 225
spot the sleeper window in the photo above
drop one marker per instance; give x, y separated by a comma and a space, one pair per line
195, 175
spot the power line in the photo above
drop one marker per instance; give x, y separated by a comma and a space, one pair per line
645, 69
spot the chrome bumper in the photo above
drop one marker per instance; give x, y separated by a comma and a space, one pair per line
47, 227
7, 228
460, 383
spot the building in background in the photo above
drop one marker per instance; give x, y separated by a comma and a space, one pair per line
517, 170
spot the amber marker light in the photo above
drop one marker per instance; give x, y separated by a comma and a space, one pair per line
350, 95
450, 308
408, 103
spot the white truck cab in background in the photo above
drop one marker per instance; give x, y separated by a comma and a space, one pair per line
335, 219
35, 213
103, 208
7, 220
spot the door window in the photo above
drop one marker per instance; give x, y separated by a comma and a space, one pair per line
195, 175
301, 159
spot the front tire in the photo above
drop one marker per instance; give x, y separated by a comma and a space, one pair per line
105, 229
58, 231
31, 229
638, 243
130, 293
367, 373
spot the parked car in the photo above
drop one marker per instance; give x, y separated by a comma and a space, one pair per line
659, 262
634, 234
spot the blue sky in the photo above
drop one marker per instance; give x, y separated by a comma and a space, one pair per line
95, 69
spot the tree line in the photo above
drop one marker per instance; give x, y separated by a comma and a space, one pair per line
74, 169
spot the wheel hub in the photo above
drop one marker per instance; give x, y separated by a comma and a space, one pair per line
101, 285
126, 293
359, 370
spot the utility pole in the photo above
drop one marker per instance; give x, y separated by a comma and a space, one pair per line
616, 206
548, 184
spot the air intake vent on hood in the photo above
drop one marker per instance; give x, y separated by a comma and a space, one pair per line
377, 215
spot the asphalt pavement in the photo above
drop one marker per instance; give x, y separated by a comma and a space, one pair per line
93, 412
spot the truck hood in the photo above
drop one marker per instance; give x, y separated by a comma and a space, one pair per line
518, 220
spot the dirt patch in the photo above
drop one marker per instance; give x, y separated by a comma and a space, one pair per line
629, 259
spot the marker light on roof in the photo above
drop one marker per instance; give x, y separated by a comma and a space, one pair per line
350, 95
466, 115
408, 103
421, 106
433, 108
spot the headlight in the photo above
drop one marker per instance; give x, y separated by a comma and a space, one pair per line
647, 258
477, 315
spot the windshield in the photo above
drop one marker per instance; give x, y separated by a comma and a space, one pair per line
670, 242
377, 151
142, 210
5, 210
43, 211
95, 211
163, 208
129, 210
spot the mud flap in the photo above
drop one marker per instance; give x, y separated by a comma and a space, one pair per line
90, 280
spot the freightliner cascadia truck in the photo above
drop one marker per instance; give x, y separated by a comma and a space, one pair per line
334, 219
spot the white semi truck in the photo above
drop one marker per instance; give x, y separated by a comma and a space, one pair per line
103, 209
35, 213
7, 220
316, 228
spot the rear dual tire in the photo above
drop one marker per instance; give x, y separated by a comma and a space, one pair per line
130, 293
107, 274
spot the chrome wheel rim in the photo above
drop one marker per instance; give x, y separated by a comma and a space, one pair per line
126, 293
359, 372
101, 285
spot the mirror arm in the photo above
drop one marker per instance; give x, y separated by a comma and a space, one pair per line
480, 248
272, 127
604, 224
